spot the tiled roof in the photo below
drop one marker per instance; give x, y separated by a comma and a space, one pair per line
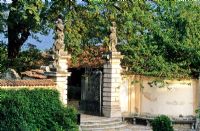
37, 74
41, 82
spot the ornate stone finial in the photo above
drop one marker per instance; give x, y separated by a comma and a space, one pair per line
113, 37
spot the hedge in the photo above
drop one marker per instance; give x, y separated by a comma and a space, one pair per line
35, 110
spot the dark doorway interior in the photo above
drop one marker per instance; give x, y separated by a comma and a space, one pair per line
85, 90
91, 92
74, 87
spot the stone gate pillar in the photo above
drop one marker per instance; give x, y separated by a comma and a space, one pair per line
61, 78
111, 85
58, 70
112, 79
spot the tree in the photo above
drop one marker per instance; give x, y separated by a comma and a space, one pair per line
28, 17
3, 57
157, 38
172, 45
31, 58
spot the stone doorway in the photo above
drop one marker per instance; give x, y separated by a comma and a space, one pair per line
85, 90
91, 92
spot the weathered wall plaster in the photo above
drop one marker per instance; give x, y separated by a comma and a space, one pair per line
177, 97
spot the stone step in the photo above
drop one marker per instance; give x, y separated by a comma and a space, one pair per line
119, 127
99, 125
101, 121
132, 127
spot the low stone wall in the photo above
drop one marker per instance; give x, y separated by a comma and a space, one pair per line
27, 83
30, 84
148, 95
37, 83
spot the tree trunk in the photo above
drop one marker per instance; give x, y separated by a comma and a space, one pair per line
18, 33
15, 40
13, 44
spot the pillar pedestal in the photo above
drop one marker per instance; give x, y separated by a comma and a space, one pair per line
60, 77
111, 85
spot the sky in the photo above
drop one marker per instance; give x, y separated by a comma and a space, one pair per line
7, 1
46, 42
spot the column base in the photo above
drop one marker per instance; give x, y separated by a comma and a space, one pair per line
111, 111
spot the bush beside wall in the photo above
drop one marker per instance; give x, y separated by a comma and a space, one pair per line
33, 110
162, 123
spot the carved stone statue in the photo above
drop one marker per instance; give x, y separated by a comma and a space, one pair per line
58, 46
113, 37
59, 43
59, 56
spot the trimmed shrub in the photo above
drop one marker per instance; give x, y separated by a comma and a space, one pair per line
198, 112
34, 110
162, 123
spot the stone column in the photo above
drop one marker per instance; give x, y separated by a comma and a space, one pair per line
61, 78
111, 84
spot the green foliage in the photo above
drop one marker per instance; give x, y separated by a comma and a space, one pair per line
31, 110
158, 38
31, 58
24, 18
164, 45
28, 12
3, 57
198, 112
162, 123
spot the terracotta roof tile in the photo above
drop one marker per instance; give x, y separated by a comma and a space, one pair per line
42, 82
38, 74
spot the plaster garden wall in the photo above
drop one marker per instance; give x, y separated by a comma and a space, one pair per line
147, 95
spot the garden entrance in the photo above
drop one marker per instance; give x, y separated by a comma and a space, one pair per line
85, 90
91, 92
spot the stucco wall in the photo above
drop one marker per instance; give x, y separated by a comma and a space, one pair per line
124, 96
176, 98
170, 97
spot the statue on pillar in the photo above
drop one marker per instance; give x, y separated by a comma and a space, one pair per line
58, 46
113, 37
58, 68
